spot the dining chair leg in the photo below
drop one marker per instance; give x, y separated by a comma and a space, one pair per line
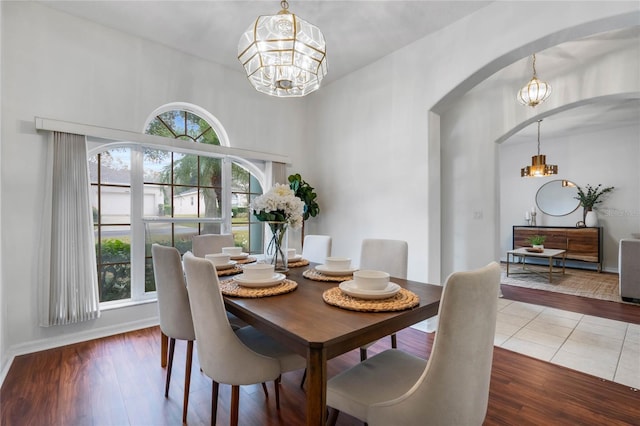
276, 384
264, 389
235, 404
363, 354
304, 377
214, 402
187, 380
172, 347
332, 418
394, 341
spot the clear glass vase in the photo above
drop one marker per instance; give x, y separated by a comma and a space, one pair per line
276, 245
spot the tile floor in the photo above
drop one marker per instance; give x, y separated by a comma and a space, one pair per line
601, 347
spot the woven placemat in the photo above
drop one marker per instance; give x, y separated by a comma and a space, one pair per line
404, 299
231, 288
312, 274
231, 271
249, 259
298, 264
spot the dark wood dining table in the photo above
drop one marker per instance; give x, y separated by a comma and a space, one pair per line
302, 321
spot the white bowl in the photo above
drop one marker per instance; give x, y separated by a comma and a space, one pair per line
291, 253
371, 280
258, 271
218, 258
232, 251
340, 263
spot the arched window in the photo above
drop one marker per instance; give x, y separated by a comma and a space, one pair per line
144, 195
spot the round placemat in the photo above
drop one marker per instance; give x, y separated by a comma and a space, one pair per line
404, 299
298, 264
231, 271
248, 259
231, 288
312, 274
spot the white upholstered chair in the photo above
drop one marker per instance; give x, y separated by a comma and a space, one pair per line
390, 256
211, 243
174, 311
452, 387
316, 248
241, 358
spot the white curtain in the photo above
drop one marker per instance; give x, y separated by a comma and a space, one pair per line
68, 272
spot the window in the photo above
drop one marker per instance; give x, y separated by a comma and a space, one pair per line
143, 195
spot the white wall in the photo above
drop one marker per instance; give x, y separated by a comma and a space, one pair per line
609, 157
58, 66
371, 155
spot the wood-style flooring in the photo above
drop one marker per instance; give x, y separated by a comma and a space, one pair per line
118, 381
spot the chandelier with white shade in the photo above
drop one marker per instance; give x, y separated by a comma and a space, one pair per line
535, 91
283, 55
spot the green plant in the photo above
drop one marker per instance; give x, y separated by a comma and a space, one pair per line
592, 196
536, 240
304, 191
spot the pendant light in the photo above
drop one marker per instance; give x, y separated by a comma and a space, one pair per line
283, 55
539, 167
535, 91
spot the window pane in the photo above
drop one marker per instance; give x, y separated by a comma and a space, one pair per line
185, 201
239, 178
114, 263
183, 233
211, 205
115, 202
185, 169
149, 279
211, 172
156, 201
115, 166
157, 166
174, 120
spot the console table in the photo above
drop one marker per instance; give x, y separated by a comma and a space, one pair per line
581, 244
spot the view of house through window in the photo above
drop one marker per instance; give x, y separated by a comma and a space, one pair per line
180, 195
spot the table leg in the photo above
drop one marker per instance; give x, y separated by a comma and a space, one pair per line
508, 264
316, 386
550, 269
164, 345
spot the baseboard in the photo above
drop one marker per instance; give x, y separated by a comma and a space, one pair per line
58, 341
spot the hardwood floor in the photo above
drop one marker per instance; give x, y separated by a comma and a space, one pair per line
118, 381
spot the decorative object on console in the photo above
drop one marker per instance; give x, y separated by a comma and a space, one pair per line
537, 241
539, 167
283, 55
533, 216
589, 199
535, 91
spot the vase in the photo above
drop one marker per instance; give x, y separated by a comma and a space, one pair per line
276, 245
591, 219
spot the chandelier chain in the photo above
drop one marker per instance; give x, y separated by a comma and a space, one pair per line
539, 121
284, 4
534, 65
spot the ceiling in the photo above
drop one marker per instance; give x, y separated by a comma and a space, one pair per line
357, 32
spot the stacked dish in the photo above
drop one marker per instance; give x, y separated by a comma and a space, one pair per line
220, 260
336, 266
258, 275
369, 284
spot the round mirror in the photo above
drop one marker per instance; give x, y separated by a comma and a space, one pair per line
557, 198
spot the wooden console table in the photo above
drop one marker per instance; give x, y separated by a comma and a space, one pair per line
582, 244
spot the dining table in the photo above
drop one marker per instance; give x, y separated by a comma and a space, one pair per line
302, 321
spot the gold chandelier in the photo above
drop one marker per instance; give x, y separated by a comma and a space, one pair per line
283, 55
538, 167
535, 91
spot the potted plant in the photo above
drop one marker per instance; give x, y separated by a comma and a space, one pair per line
591, 197
537, 241
306, 193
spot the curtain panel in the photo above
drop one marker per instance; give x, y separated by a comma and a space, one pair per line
68, 271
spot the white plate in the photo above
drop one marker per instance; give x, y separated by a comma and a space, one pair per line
295, 258
324, 269
244, 282
349, 287
230, 264
240, 256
